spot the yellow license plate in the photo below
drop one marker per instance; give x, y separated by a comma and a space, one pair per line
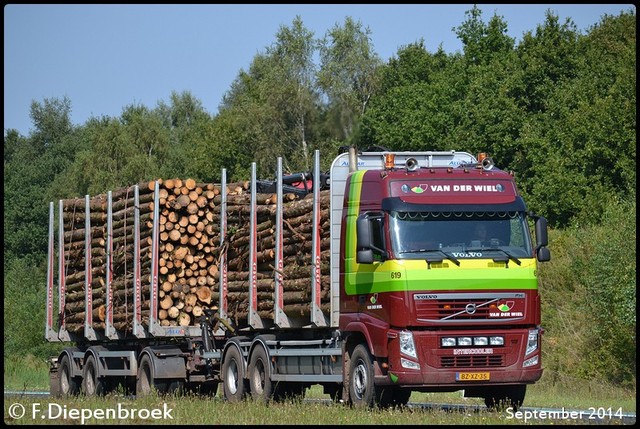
472, 376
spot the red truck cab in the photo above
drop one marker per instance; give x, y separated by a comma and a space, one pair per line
441, 305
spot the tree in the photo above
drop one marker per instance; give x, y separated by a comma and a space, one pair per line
31, 164
483, 42
348, 73
277, 102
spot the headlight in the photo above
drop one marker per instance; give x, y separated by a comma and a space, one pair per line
407, 346
496, 341
448, 341
480, 341
532, 342
464, 341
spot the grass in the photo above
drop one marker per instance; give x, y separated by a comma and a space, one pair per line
30, 374
191, 410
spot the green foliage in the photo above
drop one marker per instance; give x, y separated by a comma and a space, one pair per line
483, 42
348, 74
589, 299
24, 309
606, 258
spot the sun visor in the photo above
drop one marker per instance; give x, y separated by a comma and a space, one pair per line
454, 191
398, 204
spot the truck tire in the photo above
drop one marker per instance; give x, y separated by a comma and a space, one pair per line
146, 381
260, 384
362, 390
233, 375
67, 385
501, 397
92, 385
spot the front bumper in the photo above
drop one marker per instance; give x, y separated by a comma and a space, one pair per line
461, 367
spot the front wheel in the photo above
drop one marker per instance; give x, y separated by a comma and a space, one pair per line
362, 391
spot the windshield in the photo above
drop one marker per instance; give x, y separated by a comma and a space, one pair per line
463, 235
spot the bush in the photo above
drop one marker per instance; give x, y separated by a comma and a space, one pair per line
589, 299
24, 309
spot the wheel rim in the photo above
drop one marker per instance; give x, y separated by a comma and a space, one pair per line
145, 384
360, 380
259, 378
232, 378
64, 380
90, 382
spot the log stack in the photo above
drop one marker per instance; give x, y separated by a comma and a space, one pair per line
75, 261
189, 250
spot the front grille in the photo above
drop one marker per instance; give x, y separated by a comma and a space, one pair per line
465, 307
451, 309
471, 361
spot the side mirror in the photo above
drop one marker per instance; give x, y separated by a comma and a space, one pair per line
543, 254
363, 233
364, 256
542, 238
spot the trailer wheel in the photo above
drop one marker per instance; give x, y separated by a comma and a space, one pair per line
233, 375
498, 398
146, 381
91, 383
362, 390
260, 384
67, 385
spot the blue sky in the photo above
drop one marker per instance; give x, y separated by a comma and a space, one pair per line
106, 57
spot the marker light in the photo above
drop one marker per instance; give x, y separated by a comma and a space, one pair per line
389, 160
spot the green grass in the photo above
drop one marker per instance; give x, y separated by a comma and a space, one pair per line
31, 374
191, 410
26, 374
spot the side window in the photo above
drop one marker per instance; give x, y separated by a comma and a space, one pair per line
377, 232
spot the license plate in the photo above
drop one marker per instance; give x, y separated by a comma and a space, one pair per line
472, 376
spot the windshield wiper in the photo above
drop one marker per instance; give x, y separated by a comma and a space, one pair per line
434, 259
497, 249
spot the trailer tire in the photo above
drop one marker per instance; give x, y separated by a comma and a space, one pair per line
260, 384
92, 384
362, 390
233, 376
67, 384
146, 381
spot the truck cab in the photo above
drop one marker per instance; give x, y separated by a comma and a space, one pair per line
438, 275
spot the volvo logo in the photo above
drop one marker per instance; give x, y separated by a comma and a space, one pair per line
470, 308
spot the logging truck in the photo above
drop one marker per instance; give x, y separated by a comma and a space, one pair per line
372, 280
